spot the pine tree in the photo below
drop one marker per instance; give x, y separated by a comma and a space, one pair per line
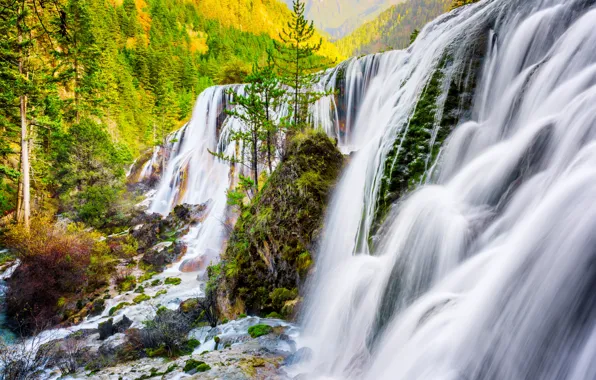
298, 63
257, 108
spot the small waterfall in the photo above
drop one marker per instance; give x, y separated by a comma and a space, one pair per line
485, 269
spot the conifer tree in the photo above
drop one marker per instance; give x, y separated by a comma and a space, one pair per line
297, 61
256, 108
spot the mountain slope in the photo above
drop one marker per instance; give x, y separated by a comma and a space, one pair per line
393, 27
340, 17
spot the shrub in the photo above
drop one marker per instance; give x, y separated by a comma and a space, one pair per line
57, 261
125, 282
259, 330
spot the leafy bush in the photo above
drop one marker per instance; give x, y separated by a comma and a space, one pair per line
58, 263
259, 330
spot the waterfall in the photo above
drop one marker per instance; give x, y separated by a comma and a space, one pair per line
483, 267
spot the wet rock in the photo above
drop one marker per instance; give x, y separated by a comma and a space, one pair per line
303, 354
97, 307
193, 265
123, 324
109, 328
163, 254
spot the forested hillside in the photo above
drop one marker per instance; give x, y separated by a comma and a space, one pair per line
392, 28
340, 17
100, 80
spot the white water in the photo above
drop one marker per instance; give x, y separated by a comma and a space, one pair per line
487, 271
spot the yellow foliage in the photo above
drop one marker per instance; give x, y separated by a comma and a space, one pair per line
257, 17
198, 41
143, 15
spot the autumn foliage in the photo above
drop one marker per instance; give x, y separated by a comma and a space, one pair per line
59, 264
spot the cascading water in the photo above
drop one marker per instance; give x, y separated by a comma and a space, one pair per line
486, 270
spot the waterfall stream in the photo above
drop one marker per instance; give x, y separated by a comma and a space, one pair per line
481, 264
485, 270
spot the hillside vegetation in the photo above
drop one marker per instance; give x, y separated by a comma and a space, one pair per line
339, 18
393, 27
119, 74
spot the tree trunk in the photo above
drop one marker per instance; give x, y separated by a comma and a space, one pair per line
255, 158
268, 134
25, 180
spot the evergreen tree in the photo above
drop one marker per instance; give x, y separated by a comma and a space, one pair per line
256, 108
297, 61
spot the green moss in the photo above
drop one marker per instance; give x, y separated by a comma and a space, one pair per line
147, 276
140, 289
269, 248
156, 282
172, 281
141, 298
160, 293
275, 315
281, 295
242, 315
127, 284
193, 343
160, 351
115, 309
259, 330
417, 146
193, 365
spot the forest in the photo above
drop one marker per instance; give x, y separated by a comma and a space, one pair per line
101, 81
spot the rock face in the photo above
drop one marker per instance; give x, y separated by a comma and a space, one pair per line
109, 328
158, 237
269, 251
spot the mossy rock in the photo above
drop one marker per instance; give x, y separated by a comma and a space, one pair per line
172, 281
259, 330
141, 298
270, 245
192, 366
115, 309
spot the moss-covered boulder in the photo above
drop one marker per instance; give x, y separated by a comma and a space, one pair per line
270, 250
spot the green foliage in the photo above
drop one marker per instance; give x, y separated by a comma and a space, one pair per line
259, 330
160, 293
298, 64
140, 289
274, 315
280, 295
394, 28
192, 365
172, 281
461, 3
126, 283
